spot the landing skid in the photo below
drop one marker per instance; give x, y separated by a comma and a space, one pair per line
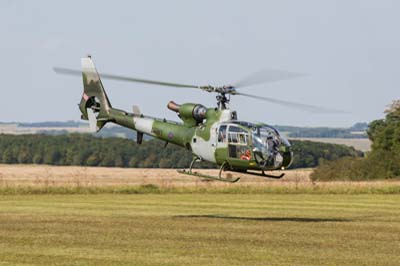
223, 168
209, 177
263, 174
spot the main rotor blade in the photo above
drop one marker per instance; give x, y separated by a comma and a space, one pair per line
66, 71
266, 76
301, 106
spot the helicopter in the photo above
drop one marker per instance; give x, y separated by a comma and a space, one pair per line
212, 134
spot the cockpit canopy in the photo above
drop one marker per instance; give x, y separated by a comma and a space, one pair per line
267, 145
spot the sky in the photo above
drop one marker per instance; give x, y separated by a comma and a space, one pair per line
348, 49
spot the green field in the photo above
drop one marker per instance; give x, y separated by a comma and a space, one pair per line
200, 229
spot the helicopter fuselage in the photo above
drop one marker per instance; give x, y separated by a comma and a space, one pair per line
211, 134
217, 137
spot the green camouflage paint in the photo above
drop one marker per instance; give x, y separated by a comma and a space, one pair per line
196, 134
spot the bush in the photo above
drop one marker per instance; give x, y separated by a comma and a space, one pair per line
383, 162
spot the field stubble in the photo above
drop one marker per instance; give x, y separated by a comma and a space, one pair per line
21, 179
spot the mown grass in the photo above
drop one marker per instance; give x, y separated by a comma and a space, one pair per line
281, 188
199, 229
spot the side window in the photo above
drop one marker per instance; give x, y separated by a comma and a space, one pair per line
233, 136
237, 135
222, 133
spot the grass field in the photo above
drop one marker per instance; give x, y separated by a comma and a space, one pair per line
110, 216
199, 229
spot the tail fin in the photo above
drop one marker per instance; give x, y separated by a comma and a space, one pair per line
94, 104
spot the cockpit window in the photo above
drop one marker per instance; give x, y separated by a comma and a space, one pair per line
266, 139
244, 123
265, 130
255, 127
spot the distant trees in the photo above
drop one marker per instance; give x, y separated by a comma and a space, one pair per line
310, 154
361, 126
382, 162
358, 130
87, 150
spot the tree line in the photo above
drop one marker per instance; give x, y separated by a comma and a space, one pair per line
87, 150
358, 130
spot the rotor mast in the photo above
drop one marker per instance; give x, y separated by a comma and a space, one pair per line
222, 101
223, 94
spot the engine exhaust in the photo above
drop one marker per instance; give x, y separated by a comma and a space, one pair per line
173, 106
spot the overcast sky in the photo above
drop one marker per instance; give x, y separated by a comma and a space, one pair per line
350, 51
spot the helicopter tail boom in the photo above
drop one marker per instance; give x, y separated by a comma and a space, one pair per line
96, 107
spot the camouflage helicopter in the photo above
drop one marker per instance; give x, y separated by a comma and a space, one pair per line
212, 134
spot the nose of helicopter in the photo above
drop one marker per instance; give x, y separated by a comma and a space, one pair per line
287, 154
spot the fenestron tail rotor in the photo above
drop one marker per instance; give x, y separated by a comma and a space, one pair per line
224, 92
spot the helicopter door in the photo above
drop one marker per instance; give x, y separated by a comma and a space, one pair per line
222, 134
238, 140
222, 144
